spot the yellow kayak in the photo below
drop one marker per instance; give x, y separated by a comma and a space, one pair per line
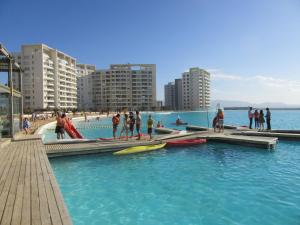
136, 149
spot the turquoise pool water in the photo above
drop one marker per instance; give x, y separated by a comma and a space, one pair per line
208, 184
95, 129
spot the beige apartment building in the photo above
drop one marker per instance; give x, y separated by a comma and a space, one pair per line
49, 79
196, 89
84, 93
130, 86
190, 92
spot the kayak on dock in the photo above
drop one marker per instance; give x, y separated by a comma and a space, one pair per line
137, 149
179, 143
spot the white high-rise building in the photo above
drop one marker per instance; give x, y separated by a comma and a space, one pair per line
130, 86
49, 79
196, 89
84, 93
191, 92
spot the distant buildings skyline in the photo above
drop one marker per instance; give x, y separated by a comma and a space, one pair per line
54, 80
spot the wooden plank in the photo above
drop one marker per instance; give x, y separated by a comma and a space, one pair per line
60, 202
6, 181
44, 208
17, 212
8, 212
53, 207
5, 161
35, 202
26, 204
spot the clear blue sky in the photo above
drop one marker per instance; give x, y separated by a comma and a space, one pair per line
243, 43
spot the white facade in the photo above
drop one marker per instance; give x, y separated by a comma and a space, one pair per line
196, 89
84, 92
130, 86
49, 79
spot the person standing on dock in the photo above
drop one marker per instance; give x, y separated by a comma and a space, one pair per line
115, 121
60, 124
138, 124
256, 116
132, 122
268, 118
261, 120
220, 120
150, 126
250, 116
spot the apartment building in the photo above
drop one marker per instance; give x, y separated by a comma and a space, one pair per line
191, 92
84, 92
130, 86
196, 89
170, 96
49, 79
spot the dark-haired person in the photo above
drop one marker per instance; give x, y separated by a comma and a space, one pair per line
256, 116
250, 116
132, 122
261, 120
268, 118
138, 123
115, 122
60, 124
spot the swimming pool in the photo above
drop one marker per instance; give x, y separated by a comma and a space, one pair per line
208, 184
102, 128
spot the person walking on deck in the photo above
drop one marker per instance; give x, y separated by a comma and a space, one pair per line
250, 116
115, 121
261, 120
138, 124
268, 118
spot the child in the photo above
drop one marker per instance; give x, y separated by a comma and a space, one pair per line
26, 125
150, 126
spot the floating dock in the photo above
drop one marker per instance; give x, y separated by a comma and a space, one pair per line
283, 136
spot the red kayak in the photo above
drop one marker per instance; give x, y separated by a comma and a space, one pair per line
186, 142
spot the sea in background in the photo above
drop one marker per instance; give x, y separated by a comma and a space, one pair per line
287, 119
208, 184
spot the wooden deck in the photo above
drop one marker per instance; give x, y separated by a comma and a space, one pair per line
29, 193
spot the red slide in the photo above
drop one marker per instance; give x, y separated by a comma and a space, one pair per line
71, 130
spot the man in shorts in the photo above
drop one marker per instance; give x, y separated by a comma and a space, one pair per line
115, 121
150, 126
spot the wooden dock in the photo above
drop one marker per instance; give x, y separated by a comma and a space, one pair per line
29, 193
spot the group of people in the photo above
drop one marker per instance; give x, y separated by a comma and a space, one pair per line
218, 121
131, 121
259, 118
